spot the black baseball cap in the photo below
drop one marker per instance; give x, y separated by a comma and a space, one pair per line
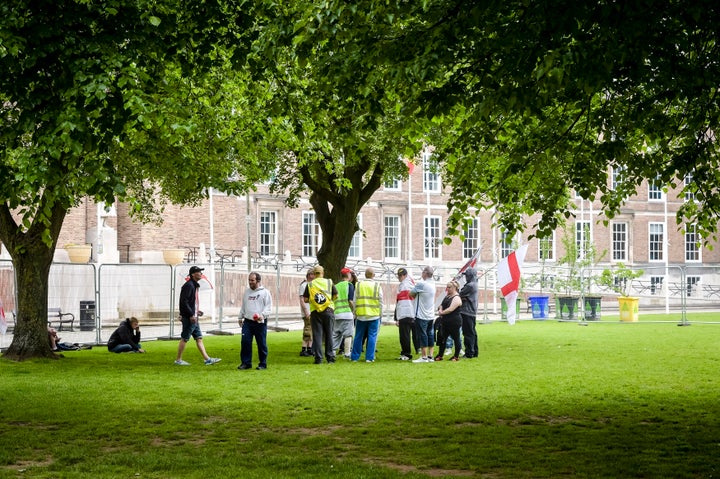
195, 269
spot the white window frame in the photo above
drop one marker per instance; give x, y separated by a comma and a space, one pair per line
311, 234
656, 241
267, 243
471, 243
432, 237
391, 237
655, 191
619, 245
546, 245
693, 249
393, 185
505, 243
687, 181
431, 179
616, 177
583, 238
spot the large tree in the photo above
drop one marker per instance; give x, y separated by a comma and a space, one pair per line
338, 142
530, 99
109, 100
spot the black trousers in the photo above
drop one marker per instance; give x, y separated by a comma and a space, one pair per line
323, 324
450, 329
470, 336
406, 326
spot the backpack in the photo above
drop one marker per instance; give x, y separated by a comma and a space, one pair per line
320, 299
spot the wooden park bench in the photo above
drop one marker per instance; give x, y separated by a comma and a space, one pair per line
58, 318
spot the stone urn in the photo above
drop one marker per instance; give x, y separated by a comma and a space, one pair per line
79, 253
173, 256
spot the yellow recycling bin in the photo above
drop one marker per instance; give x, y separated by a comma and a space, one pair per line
629, 308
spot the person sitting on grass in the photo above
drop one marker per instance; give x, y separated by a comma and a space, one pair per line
53, 338
126, 338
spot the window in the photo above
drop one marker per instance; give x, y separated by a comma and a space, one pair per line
689, 195
693, 284
619, 241
656, 284
583, 241
355, 250
656, 233
392, 237
268, 233
432, 237
546, 248
471, 243
655, 192
617, 173
506, 244
393, 185
692, 243
311, 234
431, 180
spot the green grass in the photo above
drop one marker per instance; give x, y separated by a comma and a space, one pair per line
544, 399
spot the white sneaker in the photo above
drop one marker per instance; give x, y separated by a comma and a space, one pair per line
420, 360
211, 361
404, 358
180, 362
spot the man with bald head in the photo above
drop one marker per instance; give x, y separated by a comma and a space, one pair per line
368, 309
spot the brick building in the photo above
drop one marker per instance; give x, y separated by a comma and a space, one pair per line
402, 224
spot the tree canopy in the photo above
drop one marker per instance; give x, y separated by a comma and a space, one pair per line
530, 99
128, 100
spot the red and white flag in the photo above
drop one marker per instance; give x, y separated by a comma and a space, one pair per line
508, 273
410, 166
471, 263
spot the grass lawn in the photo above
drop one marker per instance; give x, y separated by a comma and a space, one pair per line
544, 399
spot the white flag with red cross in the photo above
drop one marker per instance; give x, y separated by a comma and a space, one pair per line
508, 274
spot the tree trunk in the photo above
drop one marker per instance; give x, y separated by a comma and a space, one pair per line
31, 338
338, 226
32, 258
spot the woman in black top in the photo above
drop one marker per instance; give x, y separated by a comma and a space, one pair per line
450, 320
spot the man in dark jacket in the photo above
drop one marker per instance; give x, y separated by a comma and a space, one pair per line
126, 338
468, 311
189, 316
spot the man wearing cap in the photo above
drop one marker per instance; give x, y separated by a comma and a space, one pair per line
424, 294
189, 314
320, 294
344, 313
255, 309
405, 314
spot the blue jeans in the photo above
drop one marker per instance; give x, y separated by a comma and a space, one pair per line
372, 328
252, 329
123, 348
425, 332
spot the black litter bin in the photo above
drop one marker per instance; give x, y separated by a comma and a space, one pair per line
87, 315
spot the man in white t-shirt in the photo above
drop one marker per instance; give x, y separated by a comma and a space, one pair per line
424, 295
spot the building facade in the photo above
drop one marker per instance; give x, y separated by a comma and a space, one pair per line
404, 223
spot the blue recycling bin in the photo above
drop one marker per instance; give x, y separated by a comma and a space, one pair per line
540, 306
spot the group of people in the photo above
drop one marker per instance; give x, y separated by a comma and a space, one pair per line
338, 319
344, 318
423, 326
